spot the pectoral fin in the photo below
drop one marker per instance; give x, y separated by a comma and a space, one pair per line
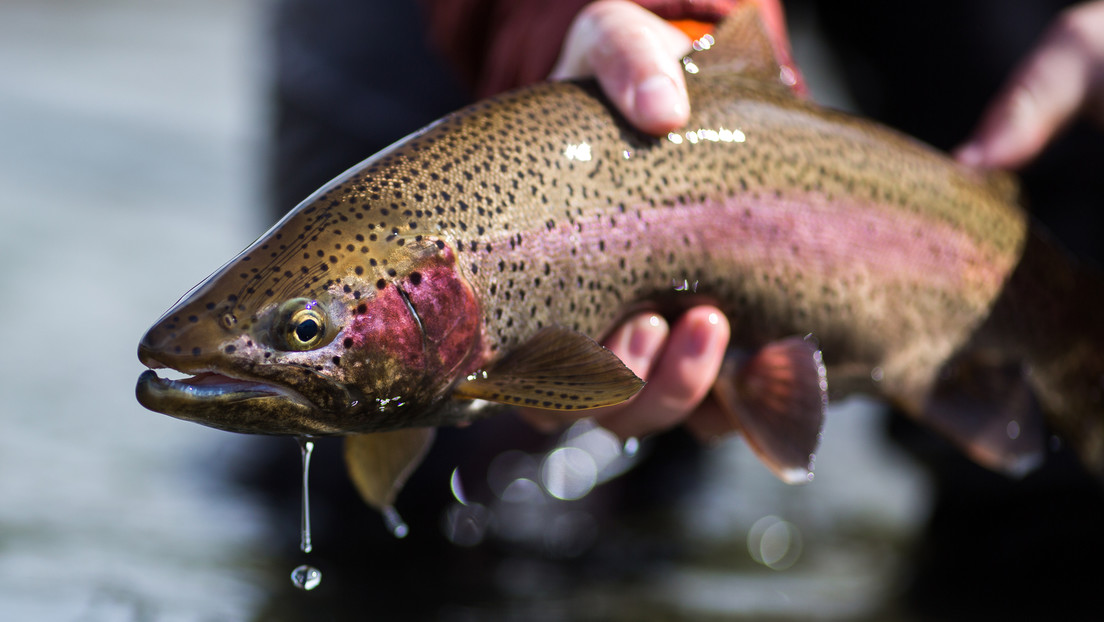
380, 463
777, 398
557, 369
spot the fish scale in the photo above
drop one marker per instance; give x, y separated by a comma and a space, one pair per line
478, 258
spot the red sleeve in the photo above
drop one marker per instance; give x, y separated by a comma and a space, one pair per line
496, 45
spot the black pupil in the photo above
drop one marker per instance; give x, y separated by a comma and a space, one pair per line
307, 330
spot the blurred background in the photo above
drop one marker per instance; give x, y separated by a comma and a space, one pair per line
142, 144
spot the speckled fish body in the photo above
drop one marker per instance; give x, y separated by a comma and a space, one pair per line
373, 304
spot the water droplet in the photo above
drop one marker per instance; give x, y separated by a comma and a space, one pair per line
306, 447
508, 467
796, 475
774, 542
457, 487
522, 490
306, 577
632, 445
569, 473
787, 75
394, 522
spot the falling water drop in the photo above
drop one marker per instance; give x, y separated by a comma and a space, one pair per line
306, 577
306, 447
394, 522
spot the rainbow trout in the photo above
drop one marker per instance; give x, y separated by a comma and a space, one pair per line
475, 262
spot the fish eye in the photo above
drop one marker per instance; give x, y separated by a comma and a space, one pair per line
300, 325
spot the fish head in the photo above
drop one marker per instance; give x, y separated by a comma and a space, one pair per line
321, 327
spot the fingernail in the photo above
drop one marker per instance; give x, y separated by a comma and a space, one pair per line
657, 100
702, 335
644, 339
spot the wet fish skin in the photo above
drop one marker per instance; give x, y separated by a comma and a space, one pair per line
437, 259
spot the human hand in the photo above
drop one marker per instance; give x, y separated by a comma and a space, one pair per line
680, 364
634, 56
1060, 80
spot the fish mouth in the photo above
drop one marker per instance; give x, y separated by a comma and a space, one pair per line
209, 385
229, 403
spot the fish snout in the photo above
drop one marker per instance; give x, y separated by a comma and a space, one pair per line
148, 352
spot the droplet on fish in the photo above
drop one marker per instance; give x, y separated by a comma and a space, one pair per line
394, 522
631, 446
306, 577
306, 447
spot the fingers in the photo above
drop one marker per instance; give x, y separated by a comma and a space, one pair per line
637, 342
680, 365
634, 56
679, 378
1053, 85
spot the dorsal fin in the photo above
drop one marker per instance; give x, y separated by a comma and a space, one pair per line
743, 44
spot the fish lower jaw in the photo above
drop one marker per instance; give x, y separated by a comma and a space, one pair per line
213, 385
235, 404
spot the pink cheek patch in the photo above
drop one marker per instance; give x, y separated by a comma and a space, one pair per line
449, 313
384, 327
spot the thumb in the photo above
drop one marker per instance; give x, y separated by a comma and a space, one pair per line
633, 53
1051, 87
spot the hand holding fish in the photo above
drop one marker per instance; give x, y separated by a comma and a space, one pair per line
1060, 80
633, 54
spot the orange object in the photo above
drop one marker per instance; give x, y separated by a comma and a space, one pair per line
693, 28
